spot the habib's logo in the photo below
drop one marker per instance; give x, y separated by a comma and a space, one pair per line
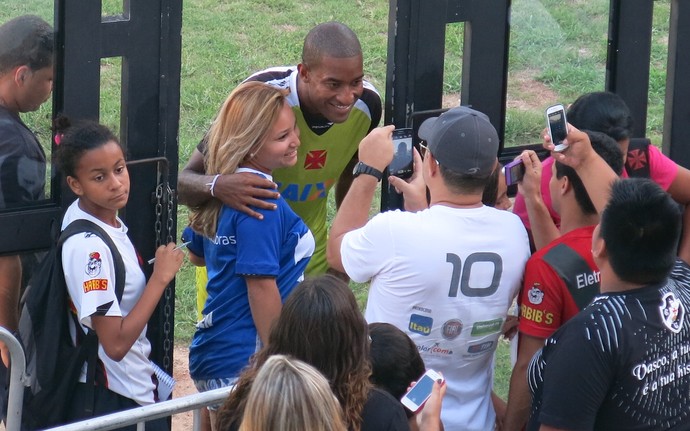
316, 159
95, 284
93, 266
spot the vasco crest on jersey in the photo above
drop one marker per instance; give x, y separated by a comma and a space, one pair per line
93, 267
672, 312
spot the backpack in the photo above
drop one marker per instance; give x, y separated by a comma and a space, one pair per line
53, 363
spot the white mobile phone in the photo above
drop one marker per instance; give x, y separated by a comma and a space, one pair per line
415, 398
557, 126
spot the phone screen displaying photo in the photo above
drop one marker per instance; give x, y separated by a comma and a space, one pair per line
401, 165
557, 127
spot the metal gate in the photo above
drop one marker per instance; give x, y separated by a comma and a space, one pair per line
416, 47
146, 38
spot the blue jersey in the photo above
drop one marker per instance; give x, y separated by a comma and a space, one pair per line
278, 246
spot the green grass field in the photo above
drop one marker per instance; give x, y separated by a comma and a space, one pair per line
557, 51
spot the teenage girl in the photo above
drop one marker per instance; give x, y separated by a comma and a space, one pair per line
253, 264
93, 162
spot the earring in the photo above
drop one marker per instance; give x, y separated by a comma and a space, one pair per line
251, 155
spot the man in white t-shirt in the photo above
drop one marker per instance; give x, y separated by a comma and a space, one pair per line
446, 274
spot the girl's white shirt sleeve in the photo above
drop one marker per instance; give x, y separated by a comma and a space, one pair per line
90, 276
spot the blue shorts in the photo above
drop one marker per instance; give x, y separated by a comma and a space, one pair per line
211, 384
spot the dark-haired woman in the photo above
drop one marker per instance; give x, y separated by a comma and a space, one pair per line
321, 324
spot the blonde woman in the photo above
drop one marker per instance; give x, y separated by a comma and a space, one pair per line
291, 395
253, 264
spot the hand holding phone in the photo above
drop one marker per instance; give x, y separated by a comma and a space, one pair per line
514, 171
402, 163
415, 398
557, 126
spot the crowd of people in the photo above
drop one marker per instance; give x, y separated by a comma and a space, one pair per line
592, 254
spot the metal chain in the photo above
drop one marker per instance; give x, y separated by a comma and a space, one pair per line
159, 215
168, 293
165, 199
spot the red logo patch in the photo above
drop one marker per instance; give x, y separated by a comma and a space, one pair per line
636, 159
315, 159
95, 284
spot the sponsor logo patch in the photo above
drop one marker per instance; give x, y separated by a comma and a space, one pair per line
587, 279
95, 284
435, 350
420, 324
537, 316
93, 266
422, 309
476, 349
486, 327
672, 312
451, 329
535, 295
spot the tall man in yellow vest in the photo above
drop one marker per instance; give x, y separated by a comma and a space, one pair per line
334, 107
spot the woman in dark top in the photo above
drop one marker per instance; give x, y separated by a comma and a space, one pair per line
321, 325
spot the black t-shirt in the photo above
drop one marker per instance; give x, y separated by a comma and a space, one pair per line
22, 174
623, 363
22, 163
382, 412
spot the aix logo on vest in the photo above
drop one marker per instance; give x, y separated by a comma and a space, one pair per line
308, 192
316, 159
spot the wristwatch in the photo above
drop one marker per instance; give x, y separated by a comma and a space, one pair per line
363, 168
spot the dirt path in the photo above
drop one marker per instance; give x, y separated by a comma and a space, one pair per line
184, 386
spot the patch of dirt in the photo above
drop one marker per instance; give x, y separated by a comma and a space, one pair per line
450, 100
184, 386
524, 93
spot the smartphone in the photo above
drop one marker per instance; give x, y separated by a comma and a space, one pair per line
514, 171
557, 126
401, 165
415, 398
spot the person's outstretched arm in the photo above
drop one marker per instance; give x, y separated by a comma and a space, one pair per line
543, 228
376, 151
238, 191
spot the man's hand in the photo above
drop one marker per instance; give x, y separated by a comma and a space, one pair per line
414, 188
376, 149
530, 185
430, 416
245, 190
579, 149
238, 191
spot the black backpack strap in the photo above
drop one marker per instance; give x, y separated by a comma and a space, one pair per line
575, 273
637, 159
90, 340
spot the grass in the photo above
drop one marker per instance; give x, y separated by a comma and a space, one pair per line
557, 51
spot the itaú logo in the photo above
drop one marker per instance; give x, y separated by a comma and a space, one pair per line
420, 324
